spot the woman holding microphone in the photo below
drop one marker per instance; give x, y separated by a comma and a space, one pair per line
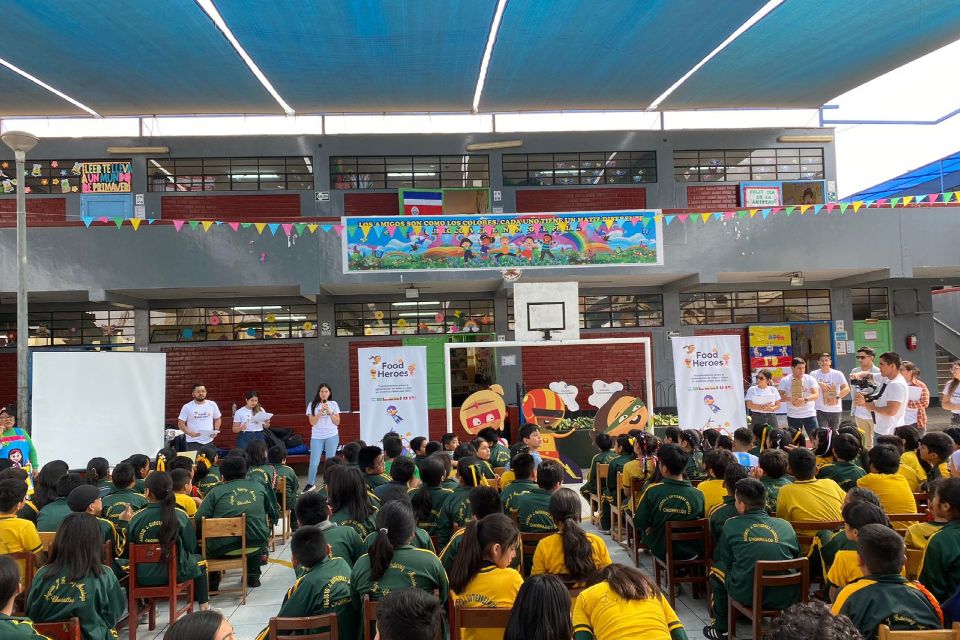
248, 422
324, 415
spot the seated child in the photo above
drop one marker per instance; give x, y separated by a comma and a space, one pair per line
86, 499
98, 475
909, 446
421, 539
643, 466
124, 495
351, 504
499, 452
624, 449
690, 443
940, 567
533, 507
370, 461
722, 512
17, 534
811, 621
572, 553
392, 450
483, 501
541, 611
885, 480
808, 499
822, 441
182, 488
323, 585
846, 566
455, 511
918, 534
935, 450
207, 473
773, 464
54, 512
277, 457
716, 462
884, 596
605, 444
409, 614
313, 509
525, 472
742, 444
843, 470
428, 498
402, 472
10, 588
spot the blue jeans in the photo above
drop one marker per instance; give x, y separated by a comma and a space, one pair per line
246, 437
809, 425
318, 447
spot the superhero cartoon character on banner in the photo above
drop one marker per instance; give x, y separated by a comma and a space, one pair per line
621, 413
482, 409
546, 409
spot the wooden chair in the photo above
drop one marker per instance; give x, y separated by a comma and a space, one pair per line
914, 559
922, 500
905, 520
29, 568
227, 528
499, 471
595, 498
327, 621
60, 630
153, 554
807, 530
884, 633
769, 574
369, 617
617, 512
634, 543
477, 618
528, 547
272, 540
46, 539
697, 569
285, 526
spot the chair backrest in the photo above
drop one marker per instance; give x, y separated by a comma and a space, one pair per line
914, 559
636, 487
478, 618
806, 530
907, 517
151, 553
282, 492
690, 531
60, 630
327, 622
46, 539
884, 633
603, 470
29, 567
369, 617
769, 574
529, 542
922, 500
225, 527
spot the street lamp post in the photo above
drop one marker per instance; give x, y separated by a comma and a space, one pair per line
21, 142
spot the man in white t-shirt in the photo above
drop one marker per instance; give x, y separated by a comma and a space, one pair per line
890, 407
833, 388
866, 370
199, 419
799, 392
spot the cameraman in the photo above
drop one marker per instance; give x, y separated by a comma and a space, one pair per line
868, 371
890, 403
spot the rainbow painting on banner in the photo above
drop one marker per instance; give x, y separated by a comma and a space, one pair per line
500, 241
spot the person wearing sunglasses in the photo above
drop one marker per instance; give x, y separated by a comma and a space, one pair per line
867, 369
15, 443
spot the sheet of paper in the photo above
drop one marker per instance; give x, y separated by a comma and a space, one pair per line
261, 417
913, 393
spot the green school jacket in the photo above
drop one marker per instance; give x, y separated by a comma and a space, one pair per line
694, 468
604, 457
450, 483
144, 528
266, 474
844, 474
375, 481
98, 601
344, 541
487, 470
321, 589
533, 511
773, 486
231, 499
512, 492
118, 501
140, 485
719, 515
499, 455
409, 568
668, 500
438, 496
52, 515
105, 487
616, 466
829, 544
292, 483
887, 599
29, 512
12, 628
208, 481
382, 489
746, 539
940, 566
454, 513
363, 528
421, 540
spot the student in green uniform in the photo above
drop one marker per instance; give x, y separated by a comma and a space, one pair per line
421, 539
10, 587
483, 501
160, 522
773, 464
207, 474
811, 621
940, 566
843, 470
525, 474
277, 457
402, 473
451, 481
455, 511
393, 450
54, 512
605, 444
201, 625
934, 452
234, 496
345, 543
428, 498
116, 504
690, 443
828, 544
747, 538
533, 507
76, 584
86, 499
418, 447
673, 498
722, 512
393, 563
44, 489
98, 475
141, 469
370, 461
482, 447
499, 454
625, 453
323, 585
409, 614
884, 596
348, 497
845, 567
257, 467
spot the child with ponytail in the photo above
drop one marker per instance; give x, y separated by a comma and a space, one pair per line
141, 468
456, 509
98, 475
481, 574
645, 464
207, 473
822, 442
428, 499
393, 563
572, 553
160, 522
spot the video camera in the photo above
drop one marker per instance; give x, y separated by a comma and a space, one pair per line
871, 390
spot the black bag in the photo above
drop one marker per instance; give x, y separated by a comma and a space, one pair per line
293, 440
271, 438
282, 433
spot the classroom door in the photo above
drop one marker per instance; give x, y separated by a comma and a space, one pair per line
436, 378
874, 334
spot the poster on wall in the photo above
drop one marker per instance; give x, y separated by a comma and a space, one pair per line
105, 177
709, 382
771, 348
500, 241
761, 194
393, 392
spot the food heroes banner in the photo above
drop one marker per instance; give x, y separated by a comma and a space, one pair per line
709, 382
393, 392
498, 241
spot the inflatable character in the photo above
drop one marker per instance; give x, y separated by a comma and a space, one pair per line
485, 408
621, 413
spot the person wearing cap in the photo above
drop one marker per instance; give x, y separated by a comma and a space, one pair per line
15, 443
86, 499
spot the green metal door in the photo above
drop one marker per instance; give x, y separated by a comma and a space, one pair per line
874, 334
436, 381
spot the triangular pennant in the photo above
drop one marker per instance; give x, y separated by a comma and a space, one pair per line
742, 214
312, 228
907, 200
804, 208
682, 217
764, 213
668, 220
718, 215
135, 223
753, 212
339, 229
89, 221
218, 222
956, 196
104, 219
177, 224
776, 210
894, 202
260, 226
194, 224
843, 207
287, 228
246, 225
234, 225
932, 197
300, 226
118, 222
273, 226
704, 217
789, 210
817, 208
206, 225
946, 196
856, 205
728, 215
326, 227
151, 220
391, 229
830, 206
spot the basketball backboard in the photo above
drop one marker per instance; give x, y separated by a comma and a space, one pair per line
546, 311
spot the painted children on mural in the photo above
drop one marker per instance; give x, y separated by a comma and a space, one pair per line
465, 244
545, 245
526, 250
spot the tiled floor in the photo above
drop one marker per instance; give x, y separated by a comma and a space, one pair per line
263, 602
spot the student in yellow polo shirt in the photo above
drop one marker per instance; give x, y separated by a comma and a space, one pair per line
918, 535
846, 563
912, 475
885, 480
808, 499
571, 552
910, 466
17, 534
716, 462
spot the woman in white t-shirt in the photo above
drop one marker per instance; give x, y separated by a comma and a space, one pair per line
324, 415
950, 399
247, 428
763, 400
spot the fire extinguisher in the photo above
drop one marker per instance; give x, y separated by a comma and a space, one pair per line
912, 342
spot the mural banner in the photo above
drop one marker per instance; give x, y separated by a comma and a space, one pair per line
709, 379
393, 392
499, 241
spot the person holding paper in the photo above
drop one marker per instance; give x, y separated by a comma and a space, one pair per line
199, 419
250, 420
918, 396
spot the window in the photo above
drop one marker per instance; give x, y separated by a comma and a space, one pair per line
230, 174
63, 176
739, 165
409, 172
601, 167
101, 327
745, 307
246, 322
414, 317
615, 311
870, 304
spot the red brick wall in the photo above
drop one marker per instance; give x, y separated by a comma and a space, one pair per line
239, 207
712, 196
38, 210
8, 378
276, 371
580, 365
371, 204
594, 199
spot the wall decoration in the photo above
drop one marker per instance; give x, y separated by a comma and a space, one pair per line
621, 413
709, 382
106, 177
482, 409
392, 392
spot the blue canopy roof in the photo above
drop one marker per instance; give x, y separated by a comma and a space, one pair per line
936, 177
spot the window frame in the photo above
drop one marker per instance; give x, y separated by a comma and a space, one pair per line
218, 173
586, 168
441, 171
746, 165
414, 317
733, 307
235, 323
